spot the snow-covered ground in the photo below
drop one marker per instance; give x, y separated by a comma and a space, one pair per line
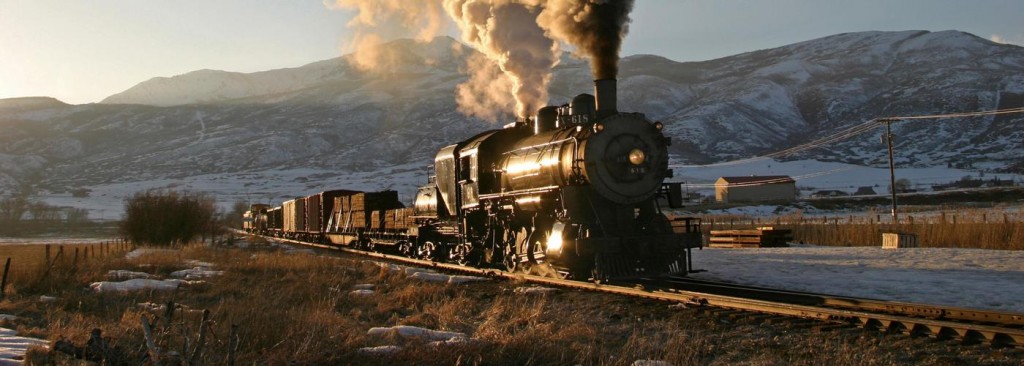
971, 278
827, 176
106, 202
13, 347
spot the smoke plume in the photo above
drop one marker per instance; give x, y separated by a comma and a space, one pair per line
379, 20
595, 27
521, 39
507, 33
485, 94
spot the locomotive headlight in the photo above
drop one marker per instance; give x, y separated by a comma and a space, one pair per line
658, 126
637, 156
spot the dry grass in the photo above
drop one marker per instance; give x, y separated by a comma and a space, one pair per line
297, 309
960, 228
36, 266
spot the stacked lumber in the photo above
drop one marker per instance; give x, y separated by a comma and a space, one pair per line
898, 240
751, 238
365, 210
399, 218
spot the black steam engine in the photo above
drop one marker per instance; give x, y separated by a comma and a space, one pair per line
577, 188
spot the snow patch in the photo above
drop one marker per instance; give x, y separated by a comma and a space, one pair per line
380, 350
196, 272
534, 290
13, 347
139, 284
971, 278
123, 274
408, 331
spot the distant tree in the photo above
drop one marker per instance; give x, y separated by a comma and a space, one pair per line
76, 216
902, 185
167, 217
234, 218
42, 211
12, 208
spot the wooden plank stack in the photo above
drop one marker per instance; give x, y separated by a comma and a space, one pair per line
764, 237
898, 240
369, 210
399, 218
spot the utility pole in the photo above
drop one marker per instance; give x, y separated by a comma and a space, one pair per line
887, 138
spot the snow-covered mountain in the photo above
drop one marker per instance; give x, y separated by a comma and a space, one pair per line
331, 116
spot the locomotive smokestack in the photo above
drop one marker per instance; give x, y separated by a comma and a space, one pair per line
605, 94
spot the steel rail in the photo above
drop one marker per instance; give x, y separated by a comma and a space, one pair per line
970, 332
854, 303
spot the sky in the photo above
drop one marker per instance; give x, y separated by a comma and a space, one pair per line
81, 51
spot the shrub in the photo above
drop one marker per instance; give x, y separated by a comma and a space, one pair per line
168, 217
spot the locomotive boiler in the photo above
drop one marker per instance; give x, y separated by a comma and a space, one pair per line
576, 187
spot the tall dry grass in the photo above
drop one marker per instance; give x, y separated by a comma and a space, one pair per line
297, 309
967, 228
38, 267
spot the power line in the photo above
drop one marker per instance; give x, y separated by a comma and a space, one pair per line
959, 115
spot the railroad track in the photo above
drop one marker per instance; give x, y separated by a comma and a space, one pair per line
1000, 329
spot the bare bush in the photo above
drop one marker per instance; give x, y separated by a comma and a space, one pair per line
167, 217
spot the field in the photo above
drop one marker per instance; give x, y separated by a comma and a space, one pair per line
293, 307
31, 259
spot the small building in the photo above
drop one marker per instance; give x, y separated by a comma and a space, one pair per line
755, 188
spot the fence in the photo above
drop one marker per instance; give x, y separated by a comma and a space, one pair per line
962, 229
37, 261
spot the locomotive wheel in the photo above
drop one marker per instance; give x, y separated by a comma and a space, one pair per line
512, 262
426, 251
406, 249
460, 253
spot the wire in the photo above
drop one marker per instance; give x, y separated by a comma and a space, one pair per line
958, 115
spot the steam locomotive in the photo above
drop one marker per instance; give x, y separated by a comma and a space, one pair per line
579, 188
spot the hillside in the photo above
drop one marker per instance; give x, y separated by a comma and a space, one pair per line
330, 116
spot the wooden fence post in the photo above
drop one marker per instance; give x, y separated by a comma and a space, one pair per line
232, 344
3, 284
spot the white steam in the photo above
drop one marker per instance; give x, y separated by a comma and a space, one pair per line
520, 40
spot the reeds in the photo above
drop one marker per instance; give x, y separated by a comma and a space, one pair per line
966, 228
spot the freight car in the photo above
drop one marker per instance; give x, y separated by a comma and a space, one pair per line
255, 219
577, 188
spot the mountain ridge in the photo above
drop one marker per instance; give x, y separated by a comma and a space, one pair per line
330, 115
